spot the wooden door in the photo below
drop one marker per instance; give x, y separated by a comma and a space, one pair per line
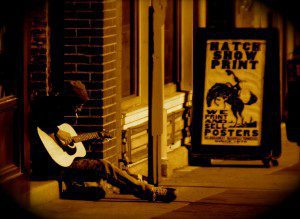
11, 91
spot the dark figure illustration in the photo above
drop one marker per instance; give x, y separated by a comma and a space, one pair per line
231, 95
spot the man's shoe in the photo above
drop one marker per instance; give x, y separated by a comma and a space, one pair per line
163, 194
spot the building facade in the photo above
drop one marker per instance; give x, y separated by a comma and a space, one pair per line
113, 47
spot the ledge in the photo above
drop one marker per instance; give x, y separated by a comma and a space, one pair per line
177, 158
172, 103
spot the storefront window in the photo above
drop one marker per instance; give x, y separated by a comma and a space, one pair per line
129, 48
172, 42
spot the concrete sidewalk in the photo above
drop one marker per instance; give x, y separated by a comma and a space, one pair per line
229, 189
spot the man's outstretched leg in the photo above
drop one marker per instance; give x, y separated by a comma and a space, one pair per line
102, 169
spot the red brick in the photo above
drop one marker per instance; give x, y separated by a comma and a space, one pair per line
70, 32
109, 13
90, 56
77, 5
37, 67
69, 49
104, 58
103, 111
76, 58
76, 41
88, 14
77, 76
104, 22
96, 68
37, 51
109, 126
103, 40
69, 67
109, 48
38, 85
38, 77
89, 50
87, 128
90, 68
74, 23
103, 76
89, 32
109, 31
109, 83
110, 151
95, 120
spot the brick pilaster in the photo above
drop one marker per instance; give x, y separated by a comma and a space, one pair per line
90, 56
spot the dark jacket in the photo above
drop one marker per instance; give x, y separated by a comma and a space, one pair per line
47, 113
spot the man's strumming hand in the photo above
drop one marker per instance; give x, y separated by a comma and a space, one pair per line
65, 138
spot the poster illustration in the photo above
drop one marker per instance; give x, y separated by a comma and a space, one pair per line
233, 92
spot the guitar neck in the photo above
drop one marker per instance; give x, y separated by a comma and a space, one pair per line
85, 137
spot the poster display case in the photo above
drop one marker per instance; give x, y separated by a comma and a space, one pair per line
236, 99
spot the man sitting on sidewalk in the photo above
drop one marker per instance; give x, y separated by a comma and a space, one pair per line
50, 115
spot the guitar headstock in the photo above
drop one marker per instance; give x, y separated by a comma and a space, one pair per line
105, 135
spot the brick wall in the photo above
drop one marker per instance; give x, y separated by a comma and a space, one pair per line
38, 50
90, 56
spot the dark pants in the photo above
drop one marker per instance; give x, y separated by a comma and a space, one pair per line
96, 169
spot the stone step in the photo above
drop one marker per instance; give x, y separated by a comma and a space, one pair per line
42, 192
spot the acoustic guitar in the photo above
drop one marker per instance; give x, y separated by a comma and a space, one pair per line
64, 155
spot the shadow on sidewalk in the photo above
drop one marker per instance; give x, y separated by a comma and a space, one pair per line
238, 165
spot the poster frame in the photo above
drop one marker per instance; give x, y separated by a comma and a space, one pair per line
270, 144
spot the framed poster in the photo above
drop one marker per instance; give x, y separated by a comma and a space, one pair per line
236, 99
233, 92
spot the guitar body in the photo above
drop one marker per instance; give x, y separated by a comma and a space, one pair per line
60, 156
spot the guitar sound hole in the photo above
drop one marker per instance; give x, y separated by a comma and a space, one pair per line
69, 150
